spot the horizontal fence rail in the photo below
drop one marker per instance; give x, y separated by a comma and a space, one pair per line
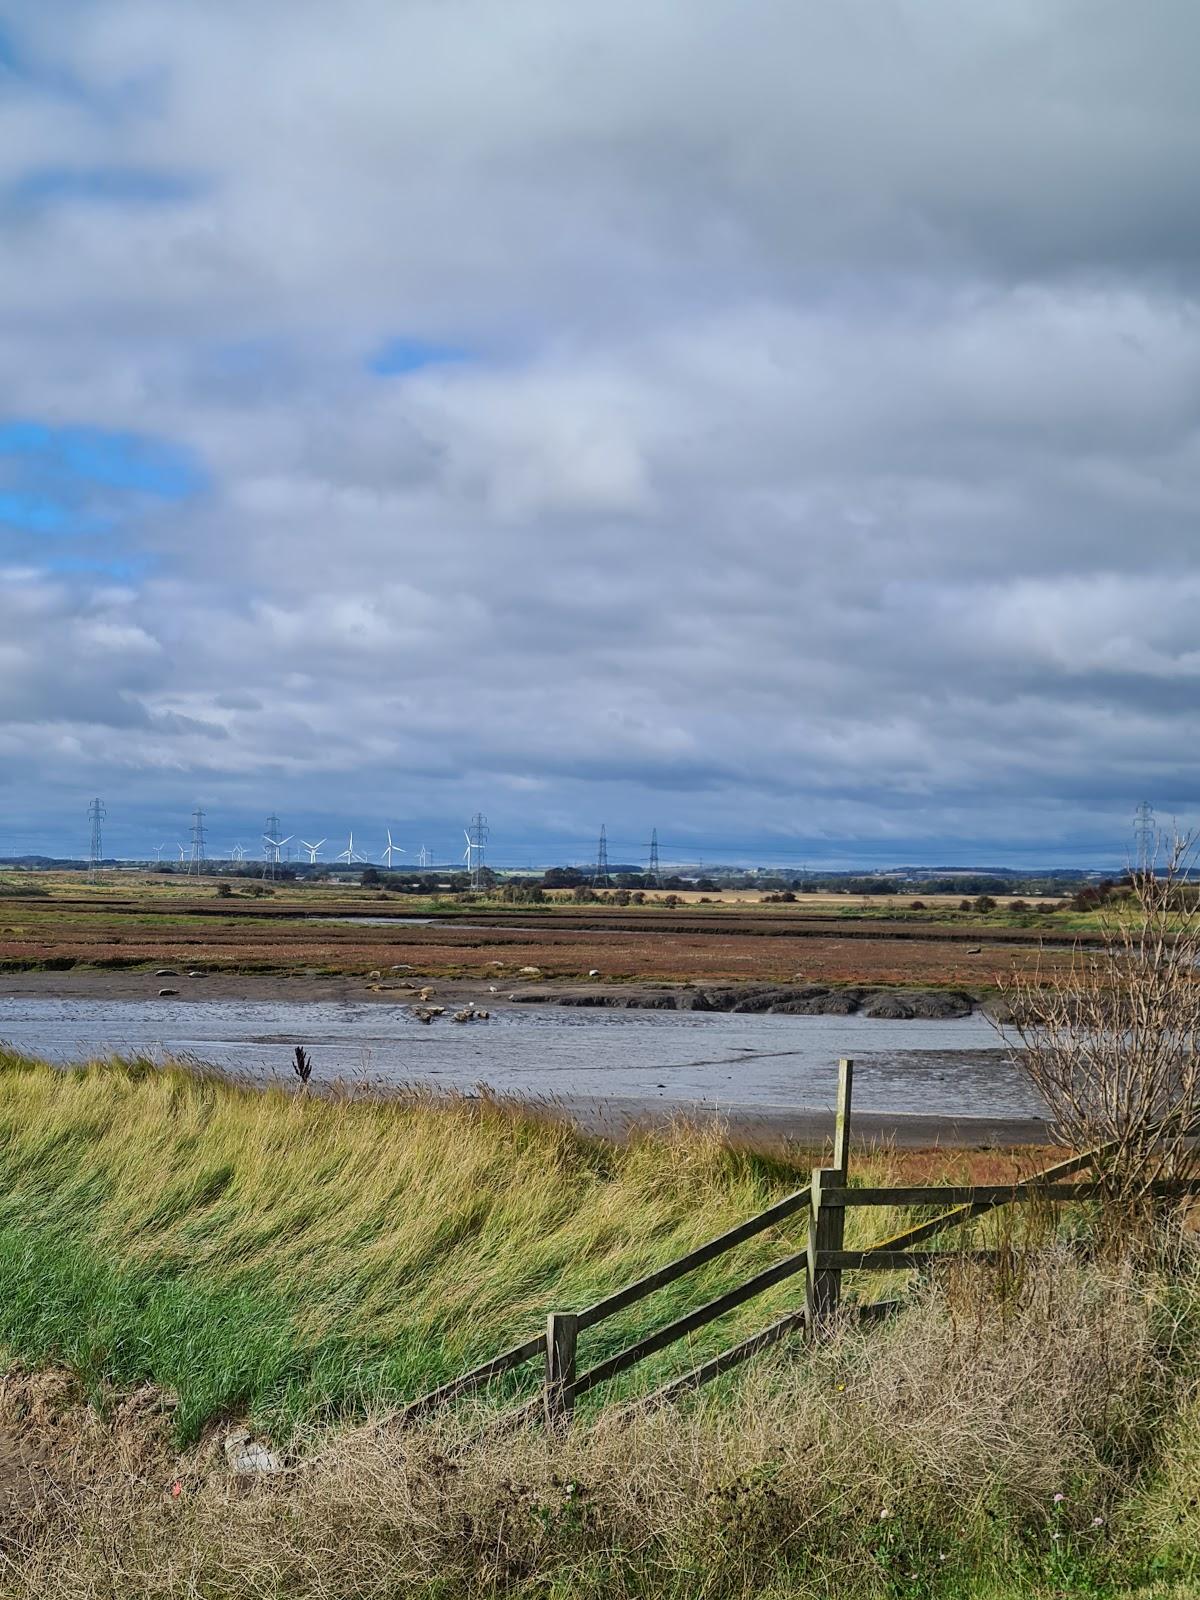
875, 1260
682, 1326
477, 1378
698, 1257
991, 1195
562, 1383
820, 1264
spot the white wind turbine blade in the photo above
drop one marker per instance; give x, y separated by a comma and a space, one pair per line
391, 850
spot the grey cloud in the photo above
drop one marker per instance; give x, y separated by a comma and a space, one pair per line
823, 463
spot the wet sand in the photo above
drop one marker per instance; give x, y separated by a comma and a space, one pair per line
761, 1129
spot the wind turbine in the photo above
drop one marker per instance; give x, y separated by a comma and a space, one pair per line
239, 852
276, 845
158, 850
312, 850
350, 855
392, 849
182, 853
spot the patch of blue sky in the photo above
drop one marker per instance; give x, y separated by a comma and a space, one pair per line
103, 186
36, 513
125, 568
405, 354
81, 456
137, 95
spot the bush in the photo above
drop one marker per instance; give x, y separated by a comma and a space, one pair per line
1112, 1047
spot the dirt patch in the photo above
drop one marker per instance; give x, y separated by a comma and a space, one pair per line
55, 1443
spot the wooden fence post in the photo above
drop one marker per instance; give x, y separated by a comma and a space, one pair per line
562, 1334
826, 1231
841, 1126
827, 1223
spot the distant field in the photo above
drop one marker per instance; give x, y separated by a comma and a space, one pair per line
49, 921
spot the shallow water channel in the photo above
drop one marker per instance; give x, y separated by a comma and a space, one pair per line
662, 1060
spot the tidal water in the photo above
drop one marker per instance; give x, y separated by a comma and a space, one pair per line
660, 1059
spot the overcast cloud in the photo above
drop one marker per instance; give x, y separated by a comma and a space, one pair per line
767, 422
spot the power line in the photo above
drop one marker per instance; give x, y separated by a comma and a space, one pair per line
477, 839
271, 846
653, 871
600, 878
96, 814
197, 858
1145, 836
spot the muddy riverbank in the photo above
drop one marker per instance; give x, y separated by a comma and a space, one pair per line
402, 985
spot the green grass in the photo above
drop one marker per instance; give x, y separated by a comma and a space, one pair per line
300, 1258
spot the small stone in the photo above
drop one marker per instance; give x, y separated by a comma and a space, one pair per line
245, 1455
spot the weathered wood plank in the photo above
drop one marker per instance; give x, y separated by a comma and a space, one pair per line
716, 1365
682, 1326
992, 1194
826, 1229
841, 1124
562, 1333
875, 1260
475, 1379
700, 1256
963, 1214
873, 1311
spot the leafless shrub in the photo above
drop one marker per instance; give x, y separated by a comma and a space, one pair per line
1111, 1047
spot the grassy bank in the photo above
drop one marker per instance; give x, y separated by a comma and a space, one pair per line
178, 1253
1033, 1445
301, 1258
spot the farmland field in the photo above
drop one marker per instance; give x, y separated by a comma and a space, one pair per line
60, 923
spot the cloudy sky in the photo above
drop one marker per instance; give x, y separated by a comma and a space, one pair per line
775, 423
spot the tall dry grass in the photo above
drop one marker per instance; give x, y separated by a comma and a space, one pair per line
305, 1256
923, 1458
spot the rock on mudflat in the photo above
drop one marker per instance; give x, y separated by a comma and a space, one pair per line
779, 999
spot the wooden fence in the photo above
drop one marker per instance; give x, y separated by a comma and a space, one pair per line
821, 1263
